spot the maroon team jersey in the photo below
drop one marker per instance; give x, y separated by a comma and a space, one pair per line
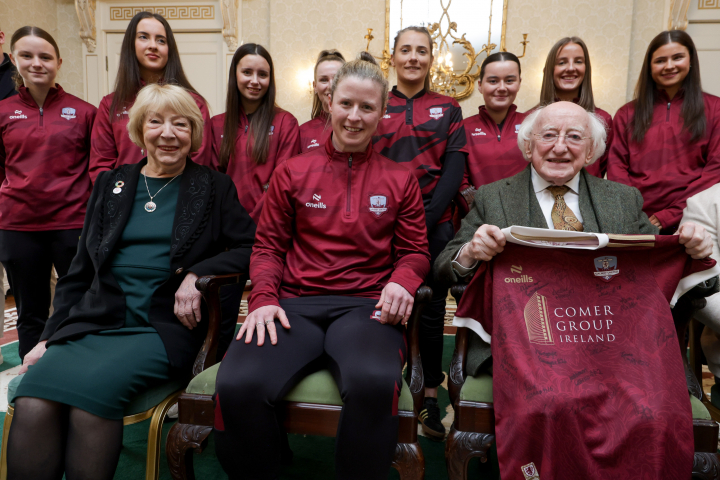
587, 378
314, 133
44, 161
111, 144
599, 166
492, 154
666, 167
338, 223
251, 179
418, 132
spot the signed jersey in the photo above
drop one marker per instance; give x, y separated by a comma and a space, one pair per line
587, 379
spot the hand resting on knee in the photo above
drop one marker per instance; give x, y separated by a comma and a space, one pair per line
33, 356
187, 302
263, 318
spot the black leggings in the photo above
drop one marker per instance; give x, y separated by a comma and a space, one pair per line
432, 321
28, 258
364, 356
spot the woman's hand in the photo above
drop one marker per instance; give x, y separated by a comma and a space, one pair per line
263, 318
396, 304
187, 302
654, 220
33, 356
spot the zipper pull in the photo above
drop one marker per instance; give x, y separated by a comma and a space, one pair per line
41, 111
668, 105
498, 138
246, 127
350, 161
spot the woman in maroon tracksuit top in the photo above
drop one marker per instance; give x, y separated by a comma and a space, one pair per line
339, 252
253, 136
491, 135
148, 54
44, 149
423, 130
668, 138
315, 132
567, 76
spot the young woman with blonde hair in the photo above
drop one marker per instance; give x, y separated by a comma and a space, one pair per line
314, 132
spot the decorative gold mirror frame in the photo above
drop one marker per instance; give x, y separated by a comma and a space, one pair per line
443, 79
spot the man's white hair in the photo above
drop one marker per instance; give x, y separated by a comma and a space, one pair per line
597, 132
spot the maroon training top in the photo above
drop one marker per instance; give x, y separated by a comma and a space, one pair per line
111, 144
314, 133
666, 167
251, 179
44, 161
338, 223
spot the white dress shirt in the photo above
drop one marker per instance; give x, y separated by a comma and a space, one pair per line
547, 199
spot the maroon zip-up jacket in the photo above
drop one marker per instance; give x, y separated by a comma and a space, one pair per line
666, 167
314, 133
44, 161
492, 154
251, 179
338, 223
111, 144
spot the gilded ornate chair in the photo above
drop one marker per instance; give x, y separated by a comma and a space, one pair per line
313, 406
473, 431
153, 404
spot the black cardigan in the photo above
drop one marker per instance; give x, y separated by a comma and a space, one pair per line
212, 234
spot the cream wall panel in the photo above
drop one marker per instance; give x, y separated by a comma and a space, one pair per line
256, 21
299, 30
71, 48
648, 20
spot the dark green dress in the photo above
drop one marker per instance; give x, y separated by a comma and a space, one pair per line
101, 373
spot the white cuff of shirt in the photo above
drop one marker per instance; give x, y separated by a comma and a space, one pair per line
459, 269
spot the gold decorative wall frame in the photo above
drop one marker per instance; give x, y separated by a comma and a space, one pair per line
708, 4
179, 12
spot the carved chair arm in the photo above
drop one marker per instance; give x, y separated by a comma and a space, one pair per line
414, 374
459, 359
209, 286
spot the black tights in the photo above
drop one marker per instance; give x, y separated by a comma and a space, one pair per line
48, 439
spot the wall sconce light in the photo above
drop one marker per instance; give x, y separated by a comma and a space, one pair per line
305, 78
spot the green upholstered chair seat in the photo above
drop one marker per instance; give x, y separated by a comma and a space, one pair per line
318, 388
479, 389
141, 403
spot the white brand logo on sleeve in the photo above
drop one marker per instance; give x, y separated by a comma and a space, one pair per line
436, 112
478, 131
18, 115
313, 143
317, 198
68, 113
386, 115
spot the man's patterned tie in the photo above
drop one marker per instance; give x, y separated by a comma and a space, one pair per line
562, 216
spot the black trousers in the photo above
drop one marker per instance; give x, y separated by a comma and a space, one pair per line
28, 258
364, 356
432, 321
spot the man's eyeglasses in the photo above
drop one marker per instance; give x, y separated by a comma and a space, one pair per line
548, 138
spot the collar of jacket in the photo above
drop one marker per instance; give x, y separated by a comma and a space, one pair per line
337, 155
55, 93
399, 94
482, 111
662, 96
194, 204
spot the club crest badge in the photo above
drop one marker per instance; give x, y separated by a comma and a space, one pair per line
530, 471
68, 113
436, 112
378, 205
272, 129
606, 267
376, 315
517, 128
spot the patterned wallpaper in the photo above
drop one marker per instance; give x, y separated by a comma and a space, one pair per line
58, 18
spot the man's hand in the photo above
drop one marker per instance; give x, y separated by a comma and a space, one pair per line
263, 318
654, 220
187, 302
698, 243
487, 242
33, 356
396, 304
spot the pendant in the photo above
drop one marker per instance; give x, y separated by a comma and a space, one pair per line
150, 207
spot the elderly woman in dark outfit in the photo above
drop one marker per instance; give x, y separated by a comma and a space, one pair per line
127, 315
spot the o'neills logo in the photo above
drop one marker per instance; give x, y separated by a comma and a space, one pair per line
313, 143
18, 115
317, 198
521, 279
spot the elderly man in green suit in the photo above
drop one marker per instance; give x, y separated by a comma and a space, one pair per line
553, 192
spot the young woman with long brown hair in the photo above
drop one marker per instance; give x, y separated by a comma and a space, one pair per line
149, 54
668, 138
567, 76
313, 133
254, 135
423, 130
44, 151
